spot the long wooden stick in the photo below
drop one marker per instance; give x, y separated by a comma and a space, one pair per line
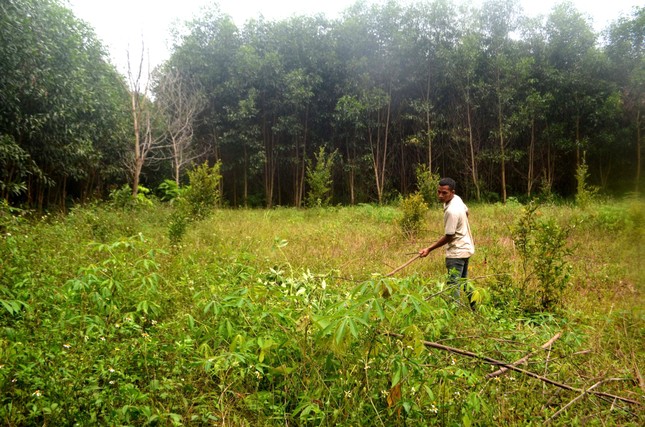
580, 396
523, 360
401, 267
513, 368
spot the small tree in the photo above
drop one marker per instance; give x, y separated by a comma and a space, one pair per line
427, 183
147, 138
319, 178
414, 209
585, 193
542, 246
179, 100
202, 196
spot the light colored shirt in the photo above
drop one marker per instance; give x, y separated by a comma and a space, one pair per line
455, 220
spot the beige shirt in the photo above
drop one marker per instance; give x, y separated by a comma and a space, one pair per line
455, 219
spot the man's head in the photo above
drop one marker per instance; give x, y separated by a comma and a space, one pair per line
446, 189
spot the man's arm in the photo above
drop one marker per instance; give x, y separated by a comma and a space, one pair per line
445, 239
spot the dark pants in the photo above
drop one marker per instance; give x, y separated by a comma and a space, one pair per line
457, 272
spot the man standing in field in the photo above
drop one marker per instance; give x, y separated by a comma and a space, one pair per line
460, 246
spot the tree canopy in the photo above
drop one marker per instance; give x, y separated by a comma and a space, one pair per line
506, 105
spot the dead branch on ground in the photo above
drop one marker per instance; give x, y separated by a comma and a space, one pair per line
513, 368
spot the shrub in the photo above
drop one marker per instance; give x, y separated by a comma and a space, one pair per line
542, 246
168, 190
319, 179
585, 193
427, 183
196, 202
413, 208
202, 196
122, 198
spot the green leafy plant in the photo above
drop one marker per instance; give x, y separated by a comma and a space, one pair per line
168, 190
413, 209
122, 197
319, 178
585, 193
200, 198
427, 184
543, 248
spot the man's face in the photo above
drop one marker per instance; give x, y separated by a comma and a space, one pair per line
444, 193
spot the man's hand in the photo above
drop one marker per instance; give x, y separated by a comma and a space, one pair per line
424, 252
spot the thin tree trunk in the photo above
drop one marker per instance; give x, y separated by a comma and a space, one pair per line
471, 143
638, 150
531, 159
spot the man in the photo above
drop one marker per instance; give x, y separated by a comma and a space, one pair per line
460, 246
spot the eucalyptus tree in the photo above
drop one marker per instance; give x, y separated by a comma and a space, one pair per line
535, 100
463, 101
304, 49
571, 54
626, 49
206, 53
370, 41
499, 20
62, 102
431, 33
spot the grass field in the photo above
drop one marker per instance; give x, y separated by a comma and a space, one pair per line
284, 317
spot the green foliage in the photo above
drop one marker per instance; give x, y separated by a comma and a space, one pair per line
177, 228
15, 166
200, 198
64, 115
319, 178
543, 248
246, 328
585, 194
413, 209
122, 198
427, 184
168, 190
195, 202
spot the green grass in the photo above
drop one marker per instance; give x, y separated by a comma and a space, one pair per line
280, 317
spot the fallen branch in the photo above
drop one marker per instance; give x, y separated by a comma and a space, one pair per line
523, 360
401, 267
513, 368
580, 396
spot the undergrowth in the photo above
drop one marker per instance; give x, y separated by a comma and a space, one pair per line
285, 317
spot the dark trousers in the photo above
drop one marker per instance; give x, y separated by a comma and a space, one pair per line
457, 272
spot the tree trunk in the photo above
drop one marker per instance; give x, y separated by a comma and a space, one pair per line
530, 172
471, 143
638, 149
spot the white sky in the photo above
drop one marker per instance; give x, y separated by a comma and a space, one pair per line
122, 24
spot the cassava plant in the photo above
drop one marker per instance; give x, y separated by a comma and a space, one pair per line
542, 246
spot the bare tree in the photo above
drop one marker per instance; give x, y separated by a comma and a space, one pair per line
145, 140
179, 101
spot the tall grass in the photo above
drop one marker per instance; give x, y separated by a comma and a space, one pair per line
281, 317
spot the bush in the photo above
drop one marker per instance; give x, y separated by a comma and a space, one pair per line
196, 202
168, 190
542, 246
413, 208
319, 179
122, 198
585, 193
427, 184
202, 196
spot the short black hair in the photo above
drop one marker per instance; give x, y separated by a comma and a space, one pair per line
449, 182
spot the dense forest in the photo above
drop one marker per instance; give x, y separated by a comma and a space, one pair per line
507, 105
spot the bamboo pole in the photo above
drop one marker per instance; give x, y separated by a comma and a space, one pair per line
523, 360
513, 368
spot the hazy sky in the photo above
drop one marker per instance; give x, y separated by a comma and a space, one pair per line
122, 24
